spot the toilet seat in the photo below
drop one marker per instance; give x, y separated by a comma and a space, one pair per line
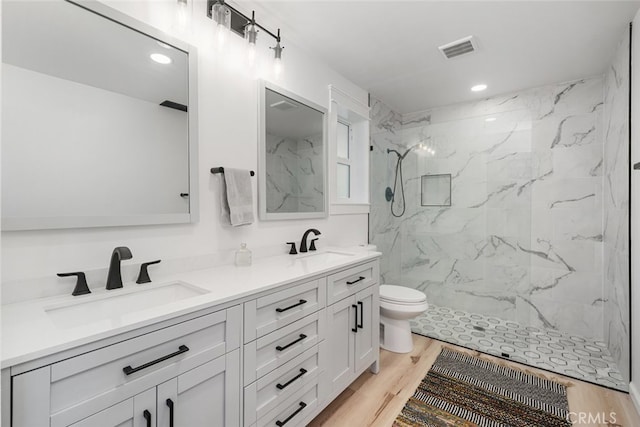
401, 295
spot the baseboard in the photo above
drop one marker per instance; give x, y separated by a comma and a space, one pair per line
635, 396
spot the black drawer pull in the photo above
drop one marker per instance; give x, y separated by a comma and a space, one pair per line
281, 386
128, 370
359, 279
147, 416
170, 405
302, 301
280, 348
281, 423
361, 324
355, 319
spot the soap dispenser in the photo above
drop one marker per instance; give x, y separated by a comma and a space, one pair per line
243, 256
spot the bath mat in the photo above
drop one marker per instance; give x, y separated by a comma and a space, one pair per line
463, 390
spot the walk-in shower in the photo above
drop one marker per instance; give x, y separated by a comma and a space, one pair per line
523, 259
390, 194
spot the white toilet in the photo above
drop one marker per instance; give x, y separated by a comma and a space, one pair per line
398, 304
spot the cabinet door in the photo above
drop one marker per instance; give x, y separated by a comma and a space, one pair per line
367, 338
139, 411
341, 336
208, 395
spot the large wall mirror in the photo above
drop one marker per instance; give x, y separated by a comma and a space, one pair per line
98, 119
293, 156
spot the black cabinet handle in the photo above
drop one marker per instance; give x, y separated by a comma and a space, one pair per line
147, 416
128, 370
359, 279
636, 166
281, 386
280, 348
281, 310
170, 405
361, 324
184, 194
286, 420
355, 319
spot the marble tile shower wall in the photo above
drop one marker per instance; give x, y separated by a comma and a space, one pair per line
522, 239
295, 174
616, 207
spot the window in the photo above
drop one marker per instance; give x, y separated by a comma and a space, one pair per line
343, 171
348, 154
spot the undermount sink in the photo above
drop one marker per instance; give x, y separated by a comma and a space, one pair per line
325, 257
114, 306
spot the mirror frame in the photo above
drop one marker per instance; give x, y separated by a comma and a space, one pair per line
262, 145
46, 223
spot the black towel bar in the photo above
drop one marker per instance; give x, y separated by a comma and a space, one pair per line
221, 170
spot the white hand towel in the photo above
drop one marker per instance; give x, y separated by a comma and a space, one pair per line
236, 197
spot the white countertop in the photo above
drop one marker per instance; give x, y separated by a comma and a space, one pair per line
28, 332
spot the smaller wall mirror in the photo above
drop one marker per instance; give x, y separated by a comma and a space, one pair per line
292, 157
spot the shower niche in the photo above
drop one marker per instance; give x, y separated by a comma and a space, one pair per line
435, 190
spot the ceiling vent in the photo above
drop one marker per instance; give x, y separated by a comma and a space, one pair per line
283, 105
460, 47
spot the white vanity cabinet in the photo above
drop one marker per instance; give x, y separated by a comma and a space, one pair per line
353, 325
306, 360
196, 363
272, 358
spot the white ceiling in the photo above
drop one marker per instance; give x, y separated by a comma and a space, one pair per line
391, 47
66, 41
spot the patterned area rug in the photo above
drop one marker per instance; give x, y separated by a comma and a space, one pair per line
463, 390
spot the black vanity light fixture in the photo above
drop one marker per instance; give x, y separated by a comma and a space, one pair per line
229, 19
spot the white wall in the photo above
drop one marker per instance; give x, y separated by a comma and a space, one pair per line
39, 110
228, 107
634, 388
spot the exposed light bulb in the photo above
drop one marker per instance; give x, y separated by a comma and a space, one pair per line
221, 35
277, 67
183, 13
251, 34
221, 14
277, 52
251, 54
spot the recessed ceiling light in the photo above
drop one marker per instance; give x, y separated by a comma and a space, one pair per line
478, 88
160, 58
490, 119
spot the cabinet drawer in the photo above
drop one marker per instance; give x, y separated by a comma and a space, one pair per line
271, 351
297, 408
95, 380
348, 282
271, 390
268, 313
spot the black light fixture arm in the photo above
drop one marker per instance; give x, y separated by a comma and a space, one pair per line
251, 20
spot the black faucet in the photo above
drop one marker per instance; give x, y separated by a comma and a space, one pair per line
303, 243
114, 278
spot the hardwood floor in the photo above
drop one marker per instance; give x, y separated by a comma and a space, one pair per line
376, 400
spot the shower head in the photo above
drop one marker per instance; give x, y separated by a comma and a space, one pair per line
402, 156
